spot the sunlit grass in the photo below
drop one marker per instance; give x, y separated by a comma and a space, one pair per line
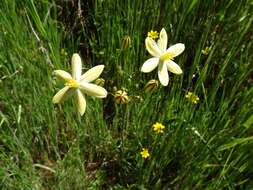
194, 133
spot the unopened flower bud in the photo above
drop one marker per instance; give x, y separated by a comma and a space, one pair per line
100, 82
151, 86
121, 97
126, 42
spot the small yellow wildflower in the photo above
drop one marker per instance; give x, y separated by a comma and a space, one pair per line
153, 34
192, 97
144, 153
158, 127
121, 97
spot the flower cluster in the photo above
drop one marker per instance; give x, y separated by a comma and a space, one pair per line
80, 84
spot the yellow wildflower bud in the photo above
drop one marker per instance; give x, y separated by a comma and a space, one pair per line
144, 153
153, 34
151, 86
192, 97
126, 42
121, 97
205, 51
100, 82
63, 52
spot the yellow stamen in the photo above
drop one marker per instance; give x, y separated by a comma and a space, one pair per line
167, 56
72, 83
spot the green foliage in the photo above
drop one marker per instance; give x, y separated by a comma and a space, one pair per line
204, 146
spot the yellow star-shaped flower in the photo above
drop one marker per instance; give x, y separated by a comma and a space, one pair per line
158, 127
144, 153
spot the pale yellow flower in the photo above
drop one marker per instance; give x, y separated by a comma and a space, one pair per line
153, 34
158, 127
144, 153
192, 97
162, 57
78, 83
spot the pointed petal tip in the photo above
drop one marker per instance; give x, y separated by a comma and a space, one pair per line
174, 68
163, 74
164, 83
76, 63
81, 103
150, 65
62, 74
92, 73
60, 95
163, 30
93, 90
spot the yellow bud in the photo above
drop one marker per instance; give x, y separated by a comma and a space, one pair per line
121, 97
205, 51
151, 86
126, 42
192, 97
100, 82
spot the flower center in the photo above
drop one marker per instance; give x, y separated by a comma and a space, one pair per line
72, 83
167, 56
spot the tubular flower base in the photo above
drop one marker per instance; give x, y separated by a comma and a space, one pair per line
162, 57
79, 84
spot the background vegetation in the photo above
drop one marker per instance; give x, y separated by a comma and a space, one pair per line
204, 146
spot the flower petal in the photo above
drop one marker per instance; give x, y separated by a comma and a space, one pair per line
152, 47
173, 67
163, 39
60, 94
93, 90
63, 74
93, 73
150, 65
163, 74
81, 102
76, 66
175, 50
